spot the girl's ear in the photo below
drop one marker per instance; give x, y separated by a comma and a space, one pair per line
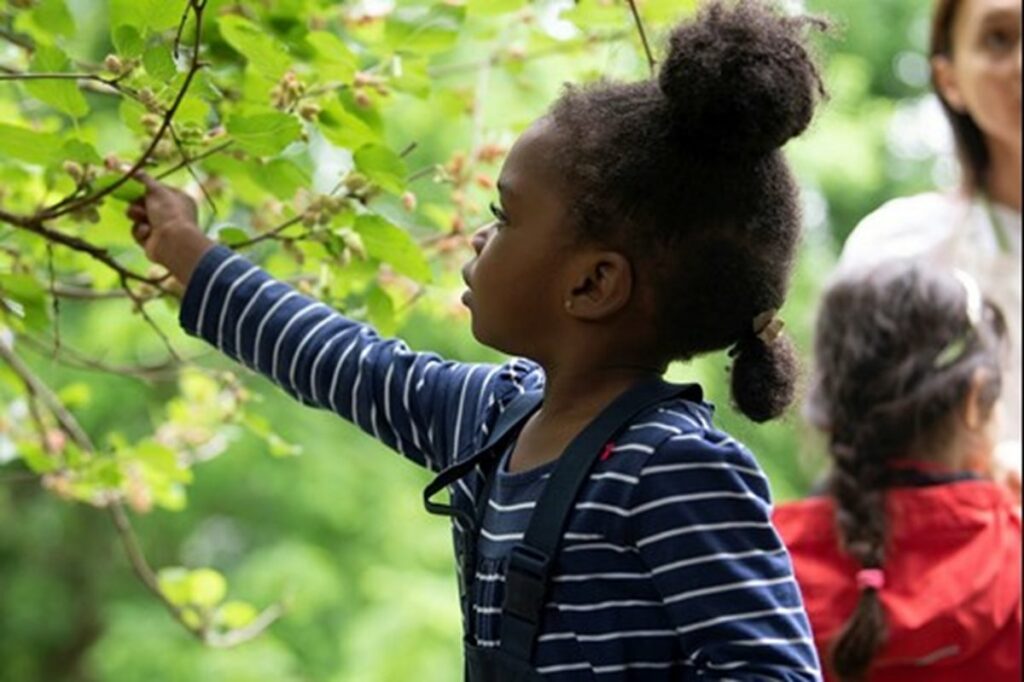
946, 83
975, 415
602, 285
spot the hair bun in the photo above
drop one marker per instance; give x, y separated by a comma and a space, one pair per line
739, 79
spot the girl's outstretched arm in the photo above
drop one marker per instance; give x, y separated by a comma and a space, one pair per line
431, 410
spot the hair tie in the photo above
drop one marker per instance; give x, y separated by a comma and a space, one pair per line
974, 308
870, 578
766, 328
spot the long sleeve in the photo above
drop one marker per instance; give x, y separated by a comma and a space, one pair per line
429, 409
701, 521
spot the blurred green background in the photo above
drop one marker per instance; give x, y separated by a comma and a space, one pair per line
339, 530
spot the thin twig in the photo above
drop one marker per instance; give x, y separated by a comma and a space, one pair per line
145, 573
270, 234
651, 62
421, 173
141, 567
140, 305
56, 299
187, 161
163, 371
49, 399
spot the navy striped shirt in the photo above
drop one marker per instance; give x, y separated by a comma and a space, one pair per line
670, 568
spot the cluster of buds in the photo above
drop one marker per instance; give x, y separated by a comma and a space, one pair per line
148, 99
151, 123
190, 134
288, 91
489, 153
359, 186
322, 209
119, 66
82, 174
363, 83
86, 214
309, 111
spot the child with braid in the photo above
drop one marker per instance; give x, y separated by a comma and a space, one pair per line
605, 529
910, 566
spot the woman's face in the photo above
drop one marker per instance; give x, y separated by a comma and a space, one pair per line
982, 76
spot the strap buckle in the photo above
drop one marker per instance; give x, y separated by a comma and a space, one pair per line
526, 579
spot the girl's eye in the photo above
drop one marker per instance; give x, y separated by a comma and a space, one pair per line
499, 215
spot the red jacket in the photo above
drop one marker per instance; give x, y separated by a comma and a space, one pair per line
952, 594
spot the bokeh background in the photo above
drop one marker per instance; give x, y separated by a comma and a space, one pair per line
338, 530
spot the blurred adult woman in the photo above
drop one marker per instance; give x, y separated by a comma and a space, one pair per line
976, 72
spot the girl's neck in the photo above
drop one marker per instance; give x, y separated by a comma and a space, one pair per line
578, 394
1005, 177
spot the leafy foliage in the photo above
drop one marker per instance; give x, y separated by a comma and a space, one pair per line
348, 148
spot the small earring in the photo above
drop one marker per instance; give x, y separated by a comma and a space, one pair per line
568, 304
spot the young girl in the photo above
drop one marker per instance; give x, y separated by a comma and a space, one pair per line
910, 566
976, 71
637, 224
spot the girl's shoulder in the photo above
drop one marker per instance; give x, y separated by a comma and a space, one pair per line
676, 446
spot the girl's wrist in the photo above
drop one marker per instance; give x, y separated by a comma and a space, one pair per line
185, 253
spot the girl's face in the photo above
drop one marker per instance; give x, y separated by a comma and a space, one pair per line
514, 283
982, 78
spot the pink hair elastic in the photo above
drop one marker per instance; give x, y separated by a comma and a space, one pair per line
870, 578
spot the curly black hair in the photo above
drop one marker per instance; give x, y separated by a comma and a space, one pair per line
685, 175
896, 352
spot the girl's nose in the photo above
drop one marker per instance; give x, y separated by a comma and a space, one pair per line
480, 237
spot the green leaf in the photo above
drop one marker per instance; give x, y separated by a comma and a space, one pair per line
207, 587
28, 298
174, 583
82, 152
53, 16
161, 461
37, 459
381, 311
264, 134
424, 30
345, 129
146, 15
334, 61
29, 146
263, 52
280, 176
60, 94
159, 63
385, 168
127, 41
128, 192
75, 395
231, 236
394, 246
236, 614
490, 8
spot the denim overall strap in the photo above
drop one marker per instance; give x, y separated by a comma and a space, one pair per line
530, 562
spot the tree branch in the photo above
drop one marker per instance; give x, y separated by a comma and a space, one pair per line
197, 7
651, 62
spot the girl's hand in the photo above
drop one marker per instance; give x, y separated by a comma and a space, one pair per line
165, 225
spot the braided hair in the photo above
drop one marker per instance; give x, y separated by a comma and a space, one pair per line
898, 348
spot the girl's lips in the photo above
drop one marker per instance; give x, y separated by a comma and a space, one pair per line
467, 295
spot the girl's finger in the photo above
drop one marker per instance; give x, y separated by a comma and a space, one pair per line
141, 232
136, 213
